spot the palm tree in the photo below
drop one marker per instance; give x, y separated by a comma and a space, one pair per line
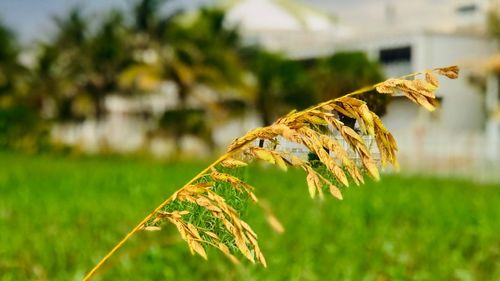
20, 123
61, 65
108, 53
147, 19
72, 30
210, 52
9, 66
92, 61
190, 54
46, 84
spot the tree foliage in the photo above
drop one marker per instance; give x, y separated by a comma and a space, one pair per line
20, 124
137, 51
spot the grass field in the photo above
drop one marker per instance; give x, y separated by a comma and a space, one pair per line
59, 216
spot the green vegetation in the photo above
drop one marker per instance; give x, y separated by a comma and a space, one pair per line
135, 51
58, 216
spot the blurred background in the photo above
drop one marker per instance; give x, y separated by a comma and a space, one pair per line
170, 78
98, 97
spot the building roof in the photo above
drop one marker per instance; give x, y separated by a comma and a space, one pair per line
276, 15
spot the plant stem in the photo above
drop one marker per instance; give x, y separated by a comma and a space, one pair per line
223, 157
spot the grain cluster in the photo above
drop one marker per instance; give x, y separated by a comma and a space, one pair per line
201, 211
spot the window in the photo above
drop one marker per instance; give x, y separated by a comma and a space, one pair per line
396, 61
394, 55
498, 87
467, 9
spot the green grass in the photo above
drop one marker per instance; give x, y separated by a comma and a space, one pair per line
59, 216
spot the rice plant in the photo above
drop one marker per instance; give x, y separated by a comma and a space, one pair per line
207, 210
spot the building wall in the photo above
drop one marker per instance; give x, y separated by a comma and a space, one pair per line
462, 108
463, 104
401, 115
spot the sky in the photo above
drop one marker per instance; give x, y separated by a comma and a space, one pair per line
32, 18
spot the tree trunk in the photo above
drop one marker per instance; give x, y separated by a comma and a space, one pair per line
100, 110
97, 94
264, 110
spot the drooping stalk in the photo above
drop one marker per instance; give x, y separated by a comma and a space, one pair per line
304, 127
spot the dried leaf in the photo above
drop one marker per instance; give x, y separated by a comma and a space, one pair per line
233, 163
335, 191
366, 114
198, 248
371, 168
316, 120
450, 72
224, 249
194, 231
264, 155
384, 89
242, 246
431, 78
152, 228
280, 162
275, 223
340, 175
311, 183
262, 259
248, 229
211, 234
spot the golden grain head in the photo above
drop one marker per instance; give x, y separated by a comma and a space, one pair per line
345, 154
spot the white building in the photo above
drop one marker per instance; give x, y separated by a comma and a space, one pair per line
493, 105
396, 36
285, 26
405, 53
301, 31
455, 133
404, 37
452, 137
